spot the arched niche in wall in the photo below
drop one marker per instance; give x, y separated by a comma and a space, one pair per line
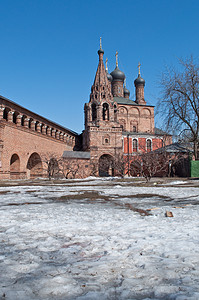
34, 166
14, 166
105, 111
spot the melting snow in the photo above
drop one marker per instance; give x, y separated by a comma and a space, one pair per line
86, 241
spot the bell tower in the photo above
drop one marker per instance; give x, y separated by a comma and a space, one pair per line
102, 134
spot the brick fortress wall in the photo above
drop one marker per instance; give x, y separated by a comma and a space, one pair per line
26, 138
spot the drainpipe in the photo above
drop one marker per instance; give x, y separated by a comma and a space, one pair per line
128, 155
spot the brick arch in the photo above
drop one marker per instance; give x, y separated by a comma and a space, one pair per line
105, 111
123, 110
134, 126
122, 123
5, 113
146, 112
106, 165
94, 111
34, 166
135, 112
14, 166
15, 115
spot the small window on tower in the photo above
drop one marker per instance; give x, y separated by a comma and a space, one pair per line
134, 129
106, 141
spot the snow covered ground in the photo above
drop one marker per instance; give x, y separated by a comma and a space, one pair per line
99, 239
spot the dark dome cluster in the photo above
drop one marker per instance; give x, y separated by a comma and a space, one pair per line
117, 75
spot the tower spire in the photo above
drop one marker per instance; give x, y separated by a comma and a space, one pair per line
116, 55
106, 64
139, 65
100, 51
100, 43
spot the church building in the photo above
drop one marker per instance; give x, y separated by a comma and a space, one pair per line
114, 124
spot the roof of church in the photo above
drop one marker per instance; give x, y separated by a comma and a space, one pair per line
126, 101
160, 131
76, 154
175, 147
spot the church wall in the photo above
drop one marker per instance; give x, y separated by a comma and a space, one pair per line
139, 116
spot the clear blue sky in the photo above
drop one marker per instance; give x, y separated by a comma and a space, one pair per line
48, 53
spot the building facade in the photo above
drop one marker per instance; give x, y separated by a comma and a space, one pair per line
114, 124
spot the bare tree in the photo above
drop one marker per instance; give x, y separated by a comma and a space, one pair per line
68, 167
180, 100
94, 168
120, 165
156, 163
150, 164
50, 162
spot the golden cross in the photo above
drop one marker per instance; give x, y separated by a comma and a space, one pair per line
106, 64
100, 43
139, 68
116, 58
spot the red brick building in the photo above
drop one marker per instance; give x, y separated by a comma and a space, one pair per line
114, 126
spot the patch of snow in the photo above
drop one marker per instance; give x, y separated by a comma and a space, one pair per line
99, 249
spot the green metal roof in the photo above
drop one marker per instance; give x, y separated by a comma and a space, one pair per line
126, 101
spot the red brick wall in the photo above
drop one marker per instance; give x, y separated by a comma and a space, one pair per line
23, 142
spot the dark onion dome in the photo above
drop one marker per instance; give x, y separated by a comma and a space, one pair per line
100, 51
117, 75
126, 91
110, 78
139, 80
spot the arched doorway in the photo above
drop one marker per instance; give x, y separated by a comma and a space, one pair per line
106, 165
34, 166
14, 167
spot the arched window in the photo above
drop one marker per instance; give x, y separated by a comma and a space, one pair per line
105, 112
148, 145
122, 123
115, 112
94, 112
134, 129
135, 145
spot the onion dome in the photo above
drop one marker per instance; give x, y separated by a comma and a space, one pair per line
118, 75
126, 92
139, 80
100, 50
110, 78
